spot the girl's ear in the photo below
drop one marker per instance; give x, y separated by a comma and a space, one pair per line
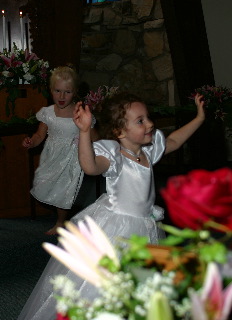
122, 134
119, 134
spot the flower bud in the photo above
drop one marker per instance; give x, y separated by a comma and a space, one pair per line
159, 308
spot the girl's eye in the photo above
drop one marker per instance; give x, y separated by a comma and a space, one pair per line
140, 121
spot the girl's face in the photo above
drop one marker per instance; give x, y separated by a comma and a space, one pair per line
139, 128
62, 93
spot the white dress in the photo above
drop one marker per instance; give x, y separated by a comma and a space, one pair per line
59, 176
127, 208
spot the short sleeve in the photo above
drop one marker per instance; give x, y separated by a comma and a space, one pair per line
41, 115
156, 149
111, 150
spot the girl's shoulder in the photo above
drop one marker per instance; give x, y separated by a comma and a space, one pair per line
109, 146
109, 149
156, 148
44, 112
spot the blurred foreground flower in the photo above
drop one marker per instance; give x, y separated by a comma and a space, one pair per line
84, 247
213, 302
200, 196
139, 287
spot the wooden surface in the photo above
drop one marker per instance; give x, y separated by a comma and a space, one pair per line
31, 101
16, 164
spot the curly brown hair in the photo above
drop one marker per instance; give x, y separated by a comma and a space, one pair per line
112, 116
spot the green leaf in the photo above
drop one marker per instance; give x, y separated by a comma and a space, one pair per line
108, 263
213, 252
183, 233
172, 241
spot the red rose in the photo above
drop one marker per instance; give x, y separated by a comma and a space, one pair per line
200, 196
61, 317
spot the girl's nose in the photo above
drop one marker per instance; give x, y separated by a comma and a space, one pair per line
150, 123
62, 95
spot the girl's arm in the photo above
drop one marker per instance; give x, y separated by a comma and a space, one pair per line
37, 137
178, 137
90, 164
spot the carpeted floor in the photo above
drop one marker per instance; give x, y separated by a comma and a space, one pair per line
22, 260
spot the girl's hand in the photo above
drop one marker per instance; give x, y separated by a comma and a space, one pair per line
27, 143
82, 117
199, 101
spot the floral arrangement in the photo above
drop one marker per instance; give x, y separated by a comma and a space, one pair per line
19, 67
218, 100
163, 282
94, 99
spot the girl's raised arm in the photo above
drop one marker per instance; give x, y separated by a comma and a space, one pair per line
178, 137
90, 164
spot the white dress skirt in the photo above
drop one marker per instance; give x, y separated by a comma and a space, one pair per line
127, 208
59, 176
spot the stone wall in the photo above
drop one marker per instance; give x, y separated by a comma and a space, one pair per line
124, 44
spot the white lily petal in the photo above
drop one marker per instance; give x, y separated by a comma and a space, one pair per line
77, 267
102, 240
77, 255
212, 282
227, 305
197, 307
85, 231
76, 240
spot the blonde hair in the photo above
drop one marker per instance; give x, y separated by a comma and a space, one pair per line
65, 73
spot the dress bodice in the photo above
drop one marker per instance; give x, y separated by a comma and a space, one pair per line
58, 127
127, 179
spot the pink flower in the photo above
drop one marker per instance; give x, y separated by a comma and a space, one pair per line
10, 62
30, 56
94, 98
213, 303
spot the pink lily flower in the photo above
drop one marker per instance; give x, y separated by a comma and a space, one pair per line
10, 62
30, 56
83, 249
213, 303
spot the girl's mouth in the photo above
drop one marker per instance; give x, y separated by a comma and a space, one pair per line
149, 133
61, 103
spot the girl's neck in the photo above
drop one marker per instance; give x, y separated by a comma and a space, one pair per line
66, 112
133, 149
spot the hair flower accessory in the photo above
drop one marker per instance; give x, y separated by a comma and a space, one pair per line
94, 99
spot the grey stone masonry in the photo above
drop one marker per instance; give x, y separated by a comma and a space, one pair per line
124, 43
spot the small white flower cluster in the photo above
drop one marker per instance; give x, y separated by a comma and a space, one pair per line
68, 295
115, 294
145, 290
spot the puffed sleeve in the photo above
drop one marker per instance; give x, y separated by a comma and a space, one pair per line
41, 115
156, 149
111, 150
